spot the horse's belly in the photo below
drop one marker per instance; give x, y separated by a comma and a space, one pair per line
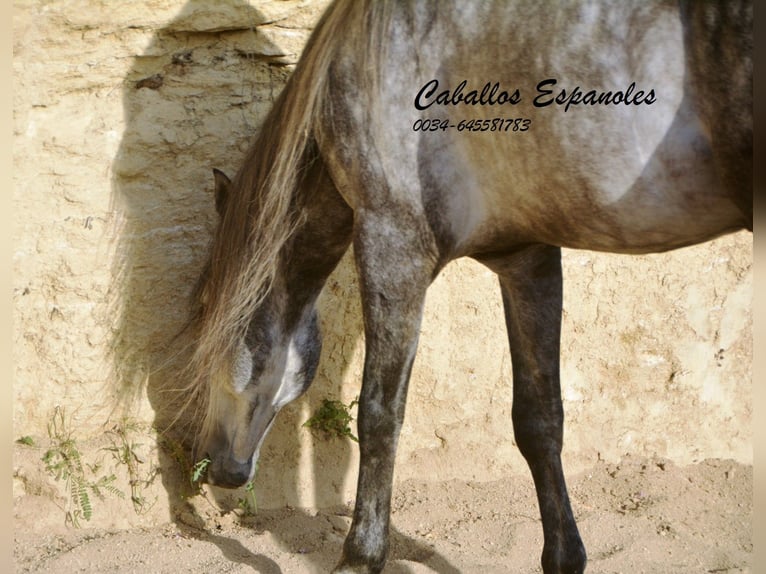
631, 225
658, 212
620, 180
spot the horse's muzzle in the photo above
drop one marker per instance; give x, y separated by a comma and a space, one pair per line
229, 473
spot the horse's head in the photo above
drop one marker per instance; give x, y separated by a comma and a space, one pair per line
272, 368
273, 364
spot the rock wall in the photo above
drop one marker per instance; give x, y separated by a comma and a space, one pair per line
120, 112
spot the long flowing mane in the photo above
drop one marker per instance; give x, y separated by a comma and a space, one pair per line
261, 211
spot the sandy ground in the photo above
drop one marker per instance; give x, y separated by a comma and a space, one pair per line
639, 516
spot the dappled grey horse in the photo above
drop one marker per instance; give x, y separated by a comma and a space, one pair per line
425, 131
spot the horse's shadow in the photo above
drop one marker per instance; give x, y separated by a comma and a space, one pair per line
195, 93
325, 550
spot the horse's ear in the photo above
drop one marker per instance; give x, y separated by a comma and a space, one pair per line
222, 183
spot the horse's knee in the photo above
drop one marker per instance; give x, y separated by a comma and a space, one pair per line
538, 431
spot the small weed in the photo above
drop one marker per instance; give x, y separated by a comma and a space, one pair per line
124, 451
64, 462
26, 441
333, 418
249, 504
199, 469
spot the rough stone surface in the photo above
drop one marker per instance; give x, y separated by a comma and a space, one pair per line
120, 112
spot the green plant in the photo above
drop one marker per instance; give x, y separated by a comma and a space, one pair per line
125, 452
64, 461
26, 441
249, 504
199, 469
333, 418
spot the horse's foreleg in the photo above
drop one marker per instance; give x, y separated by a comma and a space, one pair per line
393, 278
531, 285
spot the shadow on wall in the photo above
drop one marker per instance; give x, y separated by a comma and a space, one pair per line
193, 101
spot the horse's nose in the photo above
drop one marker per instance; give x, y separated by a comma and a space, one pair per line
229, 473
